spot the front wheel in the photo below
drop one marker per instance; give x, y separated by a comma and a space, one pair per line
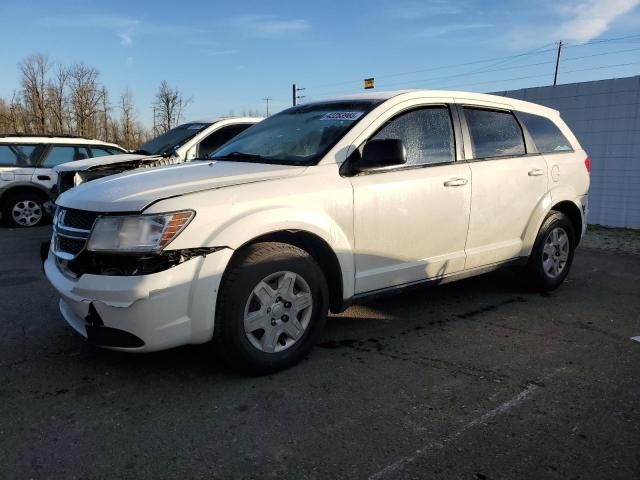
271, 309
552, 254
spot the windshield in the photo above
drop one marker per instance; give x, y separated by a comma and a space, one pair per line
172, 139
297, 136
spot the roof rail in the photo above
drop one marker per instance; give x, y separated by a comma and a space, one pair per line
31, 135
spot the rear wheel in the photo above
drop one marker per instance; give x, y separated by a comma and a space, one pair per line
272, 306
24, 209
552, 254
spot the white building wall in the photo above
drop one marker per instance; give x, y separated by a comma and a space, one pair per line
605, 116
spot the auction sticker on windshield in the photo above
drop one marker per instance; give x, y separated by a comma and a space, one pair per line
350, 116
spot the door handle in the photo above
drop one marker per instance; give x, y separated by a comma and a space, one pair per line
456, 182
536, 172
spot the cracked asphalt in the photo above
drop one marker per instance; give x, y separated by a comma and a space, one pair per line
479, 379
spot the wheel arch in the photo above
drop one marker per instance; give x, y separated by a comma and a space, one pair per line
318, 248
571, 210
23, 187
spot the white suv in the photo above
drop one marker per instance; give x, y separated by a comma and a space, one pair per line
312, 209
27, 172
180, 144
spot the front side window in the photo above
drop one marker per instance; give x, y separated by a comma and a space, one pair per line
546, 135
19, 155
59, 154
494, 133
219, 138
300, 135
427, 135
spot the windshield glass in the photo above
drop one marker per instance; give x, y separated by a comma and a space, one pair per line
171, 139
297, 136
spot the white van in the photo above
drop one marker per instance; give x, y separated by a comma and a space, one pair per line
316, 207
180, 144
27, 172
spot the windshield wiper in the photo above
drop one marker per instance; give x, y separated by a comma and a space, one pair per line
237, 156
142, 152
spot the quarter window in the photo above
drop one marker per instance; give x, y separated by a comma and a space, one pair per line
103, 151
59, 154
427, 135
494, 133
546, 135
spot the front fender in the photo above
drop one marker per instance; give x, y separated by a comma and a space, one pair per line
240, 231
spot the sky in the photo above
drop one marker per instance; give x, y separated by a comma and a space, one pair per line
229, 56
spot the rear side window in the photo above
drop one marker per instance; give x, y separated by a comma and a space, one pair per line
427, 135
546, 135
494, 133
19, 155
59, 154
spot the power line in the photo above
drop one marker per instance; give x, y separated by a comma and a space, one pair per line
601, 67
536, 51
513, 67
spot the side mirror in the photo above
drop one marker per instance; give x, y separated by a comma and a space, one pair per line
382, 153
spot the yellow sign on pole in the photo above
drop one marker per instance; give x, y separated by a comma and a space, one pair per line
368, 83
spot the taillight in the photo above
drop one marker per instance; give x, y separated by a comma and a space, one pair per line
587, 164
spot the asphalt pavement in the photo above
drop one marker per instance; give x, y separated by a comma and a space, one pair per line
480, 379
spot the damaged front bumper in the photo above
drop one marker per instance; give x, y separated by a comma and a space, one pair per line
143, 313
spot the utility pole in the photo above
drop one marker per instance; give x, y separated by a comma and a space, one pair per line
555, 75
294, 94
154, 121
267, 100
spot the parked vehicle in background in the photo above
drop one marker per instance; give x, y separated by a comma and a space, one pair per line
316, 207
180, 144
27, 172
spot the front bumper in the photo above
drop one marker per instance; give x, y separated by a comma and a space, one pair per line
161, 310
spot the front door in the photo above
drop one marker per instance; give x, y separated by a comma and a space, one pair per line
410, 222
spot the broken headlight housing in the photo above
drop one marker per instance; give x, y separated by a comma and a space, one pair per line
137, 233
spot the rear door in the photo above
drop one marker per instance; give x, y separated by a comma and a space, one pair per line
508, 183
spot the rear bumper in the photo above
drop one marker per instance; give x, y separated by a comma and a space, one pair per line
143, 313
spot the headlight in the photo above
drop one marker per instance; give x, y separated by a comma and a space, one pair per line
140, 233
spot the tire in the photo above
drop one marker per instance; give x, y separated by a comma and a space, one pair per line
24, 209
262, 326
552, 254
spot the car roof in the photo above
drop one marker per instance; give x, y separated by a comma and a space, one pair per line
458, 95
226, 119
62, 139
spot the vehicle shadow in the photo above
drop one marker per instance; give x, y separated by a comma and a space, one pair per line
424, 308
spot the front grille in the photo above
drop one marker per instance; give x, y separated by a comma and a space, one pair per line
71, 230
69, 245
80, 219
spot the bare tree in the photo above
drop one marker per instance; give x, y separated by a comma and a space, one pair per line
85, 96
34, 70
170, 105
128, 125
57, 100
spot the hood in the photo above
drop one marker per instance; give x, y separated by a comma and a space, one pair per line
133, 191
88, 163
